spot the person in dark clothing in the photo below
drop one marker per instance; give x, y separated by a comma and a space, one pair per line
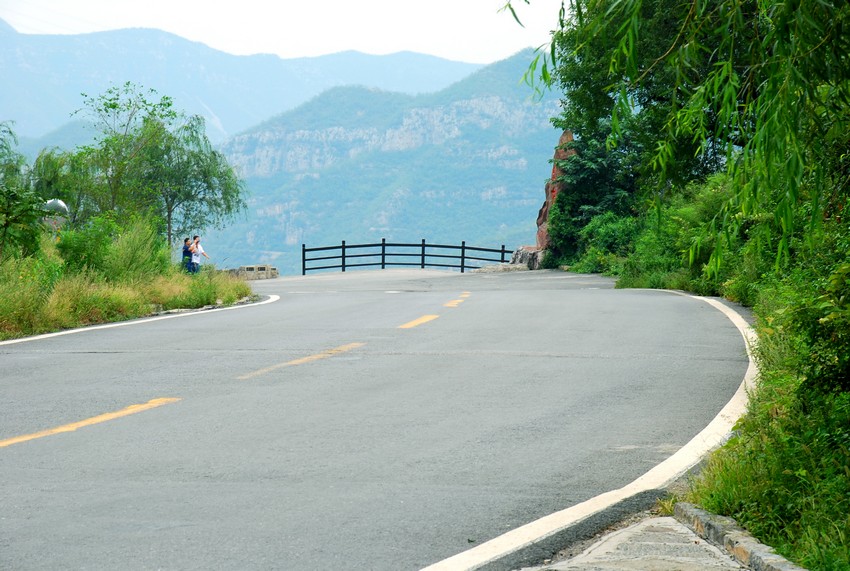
187, 255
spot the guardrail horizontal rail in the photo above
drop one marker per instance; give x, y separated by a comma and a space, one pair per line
387, 254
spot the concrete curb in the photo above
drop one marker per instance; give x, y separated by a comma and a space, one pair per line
725, 533
542, 548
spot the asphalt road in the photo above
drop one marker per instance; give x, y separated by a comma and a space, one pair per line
368, 420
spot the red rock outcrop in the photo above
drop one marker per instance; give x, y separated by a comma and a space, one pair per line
553, 187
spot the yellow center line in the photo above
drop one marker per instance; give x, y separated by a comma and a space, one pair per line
420, 321
302, 360
465, 294
453, 303
132, 409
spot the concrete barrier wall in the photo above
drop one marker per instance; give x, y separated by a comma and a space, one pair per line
257, 272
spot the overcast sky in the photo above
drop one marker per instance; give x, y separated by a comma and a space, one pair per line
462, 30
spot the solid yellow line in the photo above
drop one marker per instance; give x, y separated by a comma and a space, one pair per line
302, 360
420, 321
132, 409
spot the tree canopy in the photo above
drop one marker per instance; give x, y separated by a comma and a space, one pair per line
760, 88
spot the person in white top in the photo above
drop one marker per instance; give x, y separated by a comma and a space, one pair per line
197, 252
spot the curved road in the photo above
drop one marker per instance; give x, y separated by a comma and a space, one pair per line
368, 420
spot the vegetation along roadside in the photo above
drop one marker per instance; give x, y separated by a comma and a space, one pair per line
86, 235
712, 154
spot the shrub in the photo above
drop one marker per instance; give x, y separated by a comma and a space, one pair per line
610, 233
138, 252
597, 261
87, 248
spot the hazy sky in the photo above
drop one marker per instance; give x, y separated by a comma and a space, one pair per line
463, 30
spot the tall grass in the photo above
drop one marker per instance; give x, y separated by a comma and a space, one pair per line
101, 274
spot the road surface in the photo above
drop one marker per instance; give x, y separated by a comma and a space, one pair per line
366, 420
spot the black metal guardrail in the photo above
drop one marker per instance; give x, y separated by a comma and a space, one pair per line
385, 254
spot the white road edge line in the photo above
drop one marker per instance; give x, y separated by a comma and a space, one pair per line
710, 438
272, 299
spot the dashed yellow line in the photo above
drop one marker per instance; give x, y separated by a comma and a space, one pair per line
456, 302
420, 321
302, 360
132, 409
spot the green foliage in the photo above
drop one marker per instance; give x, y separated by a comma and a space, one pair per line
772, 78
88, 247
824, 324
68, 177
20, 208
595, 181
209, 287
21, 211
138, 252
122, 252
605, 242
191, 184
786, 477
84, 298
610, 233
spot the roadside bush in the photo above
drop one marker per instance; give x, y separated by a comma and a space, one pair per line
87, 247
610, 233
597, 261
786, 477
655, 262
138, 252
605, 242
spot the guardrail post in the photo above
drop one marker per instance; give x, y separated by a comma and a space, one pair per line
462, 255
383, 253
343, 255
303, 259
423, 254
503, 253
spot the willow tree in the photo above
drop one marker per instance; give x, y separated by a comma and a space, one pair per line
190, 184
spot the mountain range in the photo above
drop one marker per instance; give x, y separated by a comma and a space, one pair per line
345, 147
44, 76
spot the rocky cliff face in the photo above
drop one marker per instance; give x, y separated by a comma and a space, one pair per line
279, 148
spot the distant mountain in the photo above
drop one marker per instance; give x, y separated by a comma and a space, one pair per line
356, 164
44, 75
